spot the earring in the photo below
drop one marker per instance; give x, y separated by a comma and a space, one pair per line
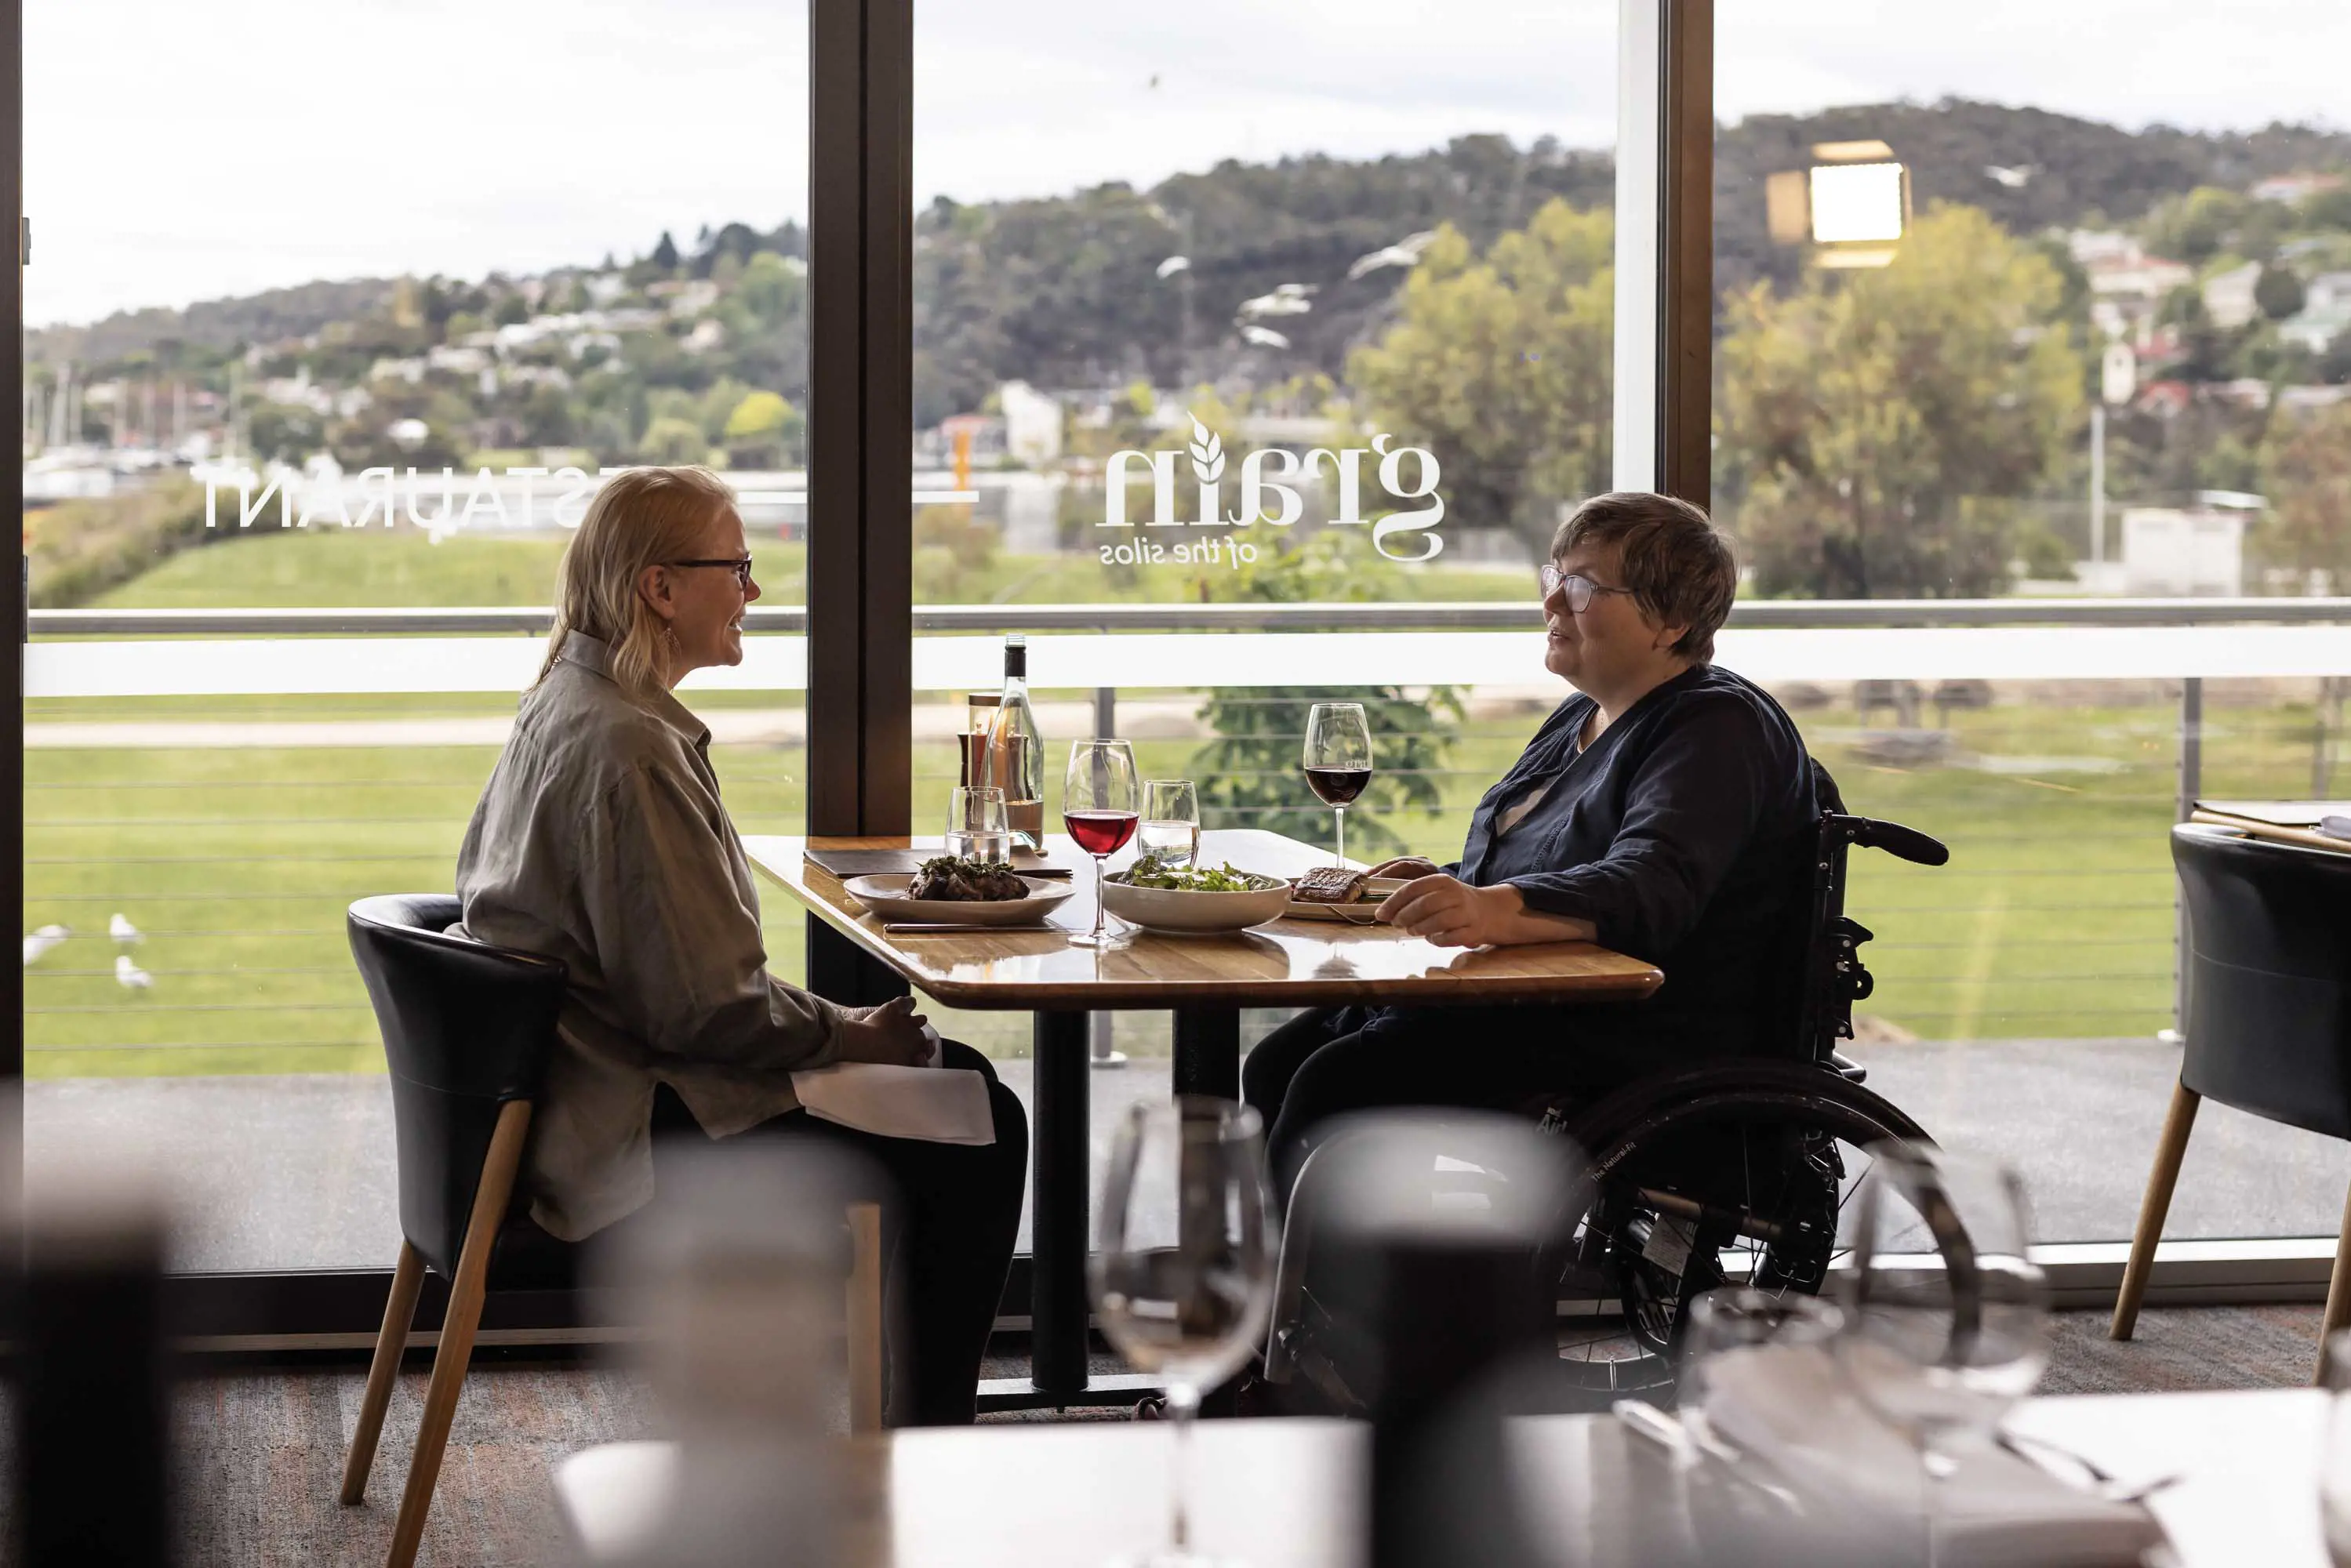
669, 637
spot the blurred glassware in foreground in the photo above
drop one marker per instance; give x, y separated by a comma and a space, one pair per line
2335, 1469
1947, 1316
1190, 1306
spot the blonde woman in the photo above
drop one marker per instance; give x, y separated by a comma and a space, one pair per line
602, 841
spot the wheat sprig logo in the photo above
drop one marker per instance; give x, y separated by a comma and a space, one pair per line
1207, 454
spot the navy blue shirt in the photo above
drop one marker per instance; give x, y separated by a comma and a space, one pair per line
1683, 834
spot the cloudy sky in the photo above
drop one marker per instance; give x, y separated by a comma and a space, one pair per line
176, 153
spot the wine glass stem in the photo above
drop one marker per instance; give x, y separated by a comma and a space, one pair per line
1340, 812
1098, 903
1183, 1404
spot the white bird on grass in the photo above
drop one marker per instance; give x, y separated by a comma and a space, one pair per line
1263, 338
122, 930
41, 941
1289, 300
129, 976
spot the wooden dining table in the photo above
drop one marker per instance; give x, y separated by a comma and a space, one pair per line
1204, 980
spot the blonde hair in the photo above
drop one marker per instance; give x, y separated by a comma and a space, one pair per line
642, 517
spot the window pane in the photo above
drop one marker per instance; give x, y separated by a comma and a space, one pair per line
468, 285
2042, 303
1317, 317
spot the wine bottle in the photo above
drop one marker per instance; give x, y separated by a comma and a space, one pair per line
1016, 749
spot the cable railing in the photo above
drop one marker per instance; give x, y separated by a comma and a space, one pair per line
2056, 918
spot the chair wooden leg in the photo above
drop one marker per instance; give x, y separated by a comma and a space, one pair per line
2160, 1180
399, 1312
457, 1328
2338, 1291
865, 1318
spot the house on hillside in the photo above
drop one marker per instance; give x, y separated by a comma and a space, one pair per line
2127, 286
2326, 312
2293, 189
2228, 295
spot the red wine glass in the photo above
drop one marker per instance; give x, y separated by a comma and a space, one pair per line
1338, 758
1100, 803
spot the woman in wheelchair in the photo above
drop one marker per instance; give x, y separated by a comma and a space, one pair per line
1666, 808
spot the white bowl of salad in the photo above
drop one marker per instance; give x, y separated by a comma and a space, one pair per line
1193, 899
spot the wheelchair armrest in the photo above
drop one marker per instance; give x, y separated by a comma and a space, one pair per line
1846, 1067
1901, 842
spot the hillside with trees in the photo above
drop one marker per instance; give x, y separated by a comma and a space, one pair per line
1908, 431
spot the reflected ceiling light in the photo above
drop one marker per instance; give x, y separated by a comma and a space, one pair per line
1852, 207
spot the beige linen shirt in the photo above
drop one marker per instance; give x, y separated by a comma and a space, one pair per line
601, 840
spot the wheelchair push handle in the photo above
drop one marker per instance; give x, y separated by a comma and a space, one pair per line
1901, 842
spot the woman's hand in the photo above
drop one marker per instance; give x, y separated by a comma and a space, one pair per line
1450, 912
890, 1034
1407, 866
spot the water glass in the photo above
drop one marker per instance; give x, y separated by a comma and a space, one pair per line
1171, 821
1183, 1270
1729, 1325
1947, 1316
977, 828
2335, 1467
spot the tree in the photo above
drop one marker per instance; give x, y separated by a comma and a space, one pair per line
669, 440
1500, 366
2278, 292
2306, 471
665, 253
1878, 427
761, 429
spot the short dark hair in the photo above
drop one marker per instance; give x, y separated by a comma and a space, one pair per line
1678, 565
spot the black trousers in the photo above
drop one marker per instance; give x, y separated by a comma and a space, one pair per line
950, 1213
1322, 1064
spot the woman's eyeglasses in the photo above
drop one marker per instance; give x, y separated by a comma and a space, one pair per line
740, 568
1577, 588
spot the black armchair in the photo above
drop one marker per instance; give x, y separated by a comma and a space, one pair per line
2269, 1017
467, 1032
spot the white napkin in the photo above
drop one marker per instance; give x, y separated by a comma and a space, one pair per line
1790, 1408
935, 1105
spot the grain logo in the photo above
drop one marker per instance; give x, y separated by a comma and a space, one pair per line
1269, 495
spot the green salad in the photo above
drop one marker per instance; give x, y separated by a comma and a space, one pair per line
1152, 872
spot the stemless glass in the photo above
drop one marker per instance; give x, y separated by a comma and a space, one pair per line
1183, 1268
1171, 821
1338, 759
977, 825
1100, 803
1729, 1325
1946, 1314
2335, 1467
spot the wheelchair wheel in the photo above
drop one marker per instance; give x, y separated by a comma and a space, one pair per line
1736, 1173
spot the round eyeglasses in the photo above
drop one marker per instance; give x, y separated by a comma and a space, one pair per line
1577, 588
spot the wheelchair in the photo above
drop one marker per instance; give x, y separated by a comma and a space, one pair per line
1732, 1171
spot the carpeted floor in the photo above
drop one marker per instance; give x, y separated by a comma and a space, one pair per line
262, 1452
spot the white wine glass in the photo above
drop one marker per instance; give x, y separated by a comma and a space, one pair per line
1171, 821
1338, 759
1100, 804
1947, 1315
1183, 1267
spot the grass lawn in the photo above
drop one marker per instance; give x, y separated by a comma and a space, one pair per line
2053, 919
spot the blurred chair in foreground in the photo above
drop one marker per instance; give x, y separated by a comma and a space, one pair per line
2268, 1019
737, 1293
